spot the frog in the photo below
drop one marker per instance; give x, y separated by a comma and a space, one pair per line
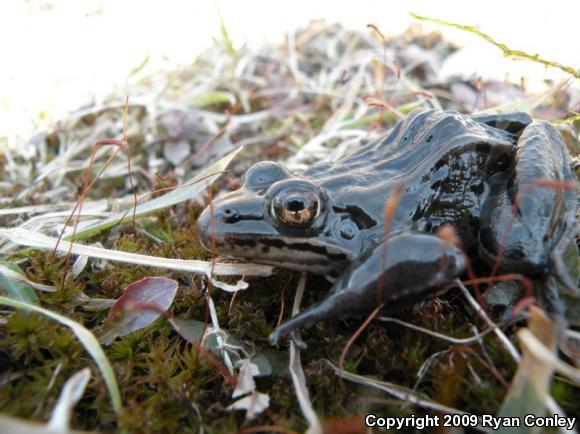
481, 174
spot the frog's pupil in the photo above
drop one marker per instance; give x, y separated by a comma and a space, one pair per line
295, 205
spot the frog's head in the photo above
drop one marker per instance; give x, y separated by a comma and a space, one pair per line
274, 218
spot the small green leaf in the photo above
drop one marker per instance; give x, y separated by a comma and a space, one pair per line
226, 36
190, 329
211, 98
268, 360
271, 362
14, 283
139, 67
263, 364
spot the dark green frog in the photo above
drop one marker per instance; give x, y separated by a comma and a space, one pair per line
466, 171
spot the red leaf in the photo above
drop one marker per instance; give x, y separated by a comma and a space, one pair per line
141, 304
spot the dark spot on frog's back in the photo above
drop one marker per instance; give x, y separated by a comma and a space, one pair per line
477, 186
358, 216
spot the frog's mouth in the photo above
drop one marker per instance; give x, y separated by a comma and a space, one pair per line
246, 231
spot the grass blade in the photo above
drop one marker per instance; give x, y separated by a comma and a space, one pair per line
190, 189
29, 238
508, 52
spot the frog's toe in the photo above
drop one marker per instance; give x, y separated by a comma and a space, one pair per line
297, 339
278, 334
274, 337
565, 262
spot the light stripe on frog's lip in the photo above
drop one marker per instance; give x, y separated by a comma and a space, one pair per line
298, 246
297, 254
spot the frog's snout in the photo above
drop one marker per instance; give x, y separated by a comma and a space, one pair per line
204, 227
210, 224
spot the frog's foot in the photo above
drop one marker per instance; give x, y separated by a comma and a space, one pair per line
276, 335
297, 339
562, 271
292, 328
421, 263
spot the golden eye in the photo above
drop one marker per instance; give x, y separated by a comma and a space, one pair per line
296, 208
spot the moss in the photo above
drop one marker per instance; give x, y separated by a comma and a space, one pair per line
566, 394
34, 350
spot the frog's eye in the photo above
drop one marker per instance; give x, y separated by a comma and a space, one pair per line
298, 208
262, 175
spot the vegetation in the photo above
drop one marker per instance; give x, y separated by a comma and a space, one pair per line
300, 102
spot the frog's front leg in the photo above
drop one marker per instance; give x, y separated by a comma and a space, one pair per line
529, 217
404, 267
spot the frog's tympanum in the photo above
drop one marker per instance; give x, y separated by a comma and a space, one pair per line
485, 175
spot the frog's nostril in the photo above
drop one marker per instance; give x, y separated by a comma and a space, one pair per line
229, 215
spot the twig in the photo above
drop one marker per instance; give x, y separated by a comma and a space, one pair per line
450, 339
503, 47
505, 342
425, 366
399, 392
219, 334
297, 373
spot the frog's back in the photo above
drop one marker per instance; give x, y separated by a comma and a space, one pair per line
424, 136
440, 159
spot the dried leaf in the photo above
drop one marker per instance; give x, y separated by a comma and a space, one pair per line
246, 383
254, 404
79, 265
71, 393
531, 384
238, 286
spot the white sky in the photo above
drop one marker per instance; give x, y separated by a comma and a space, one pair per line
57, 54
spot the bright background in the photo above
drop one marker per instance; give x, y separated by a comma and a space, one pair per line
56, 55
